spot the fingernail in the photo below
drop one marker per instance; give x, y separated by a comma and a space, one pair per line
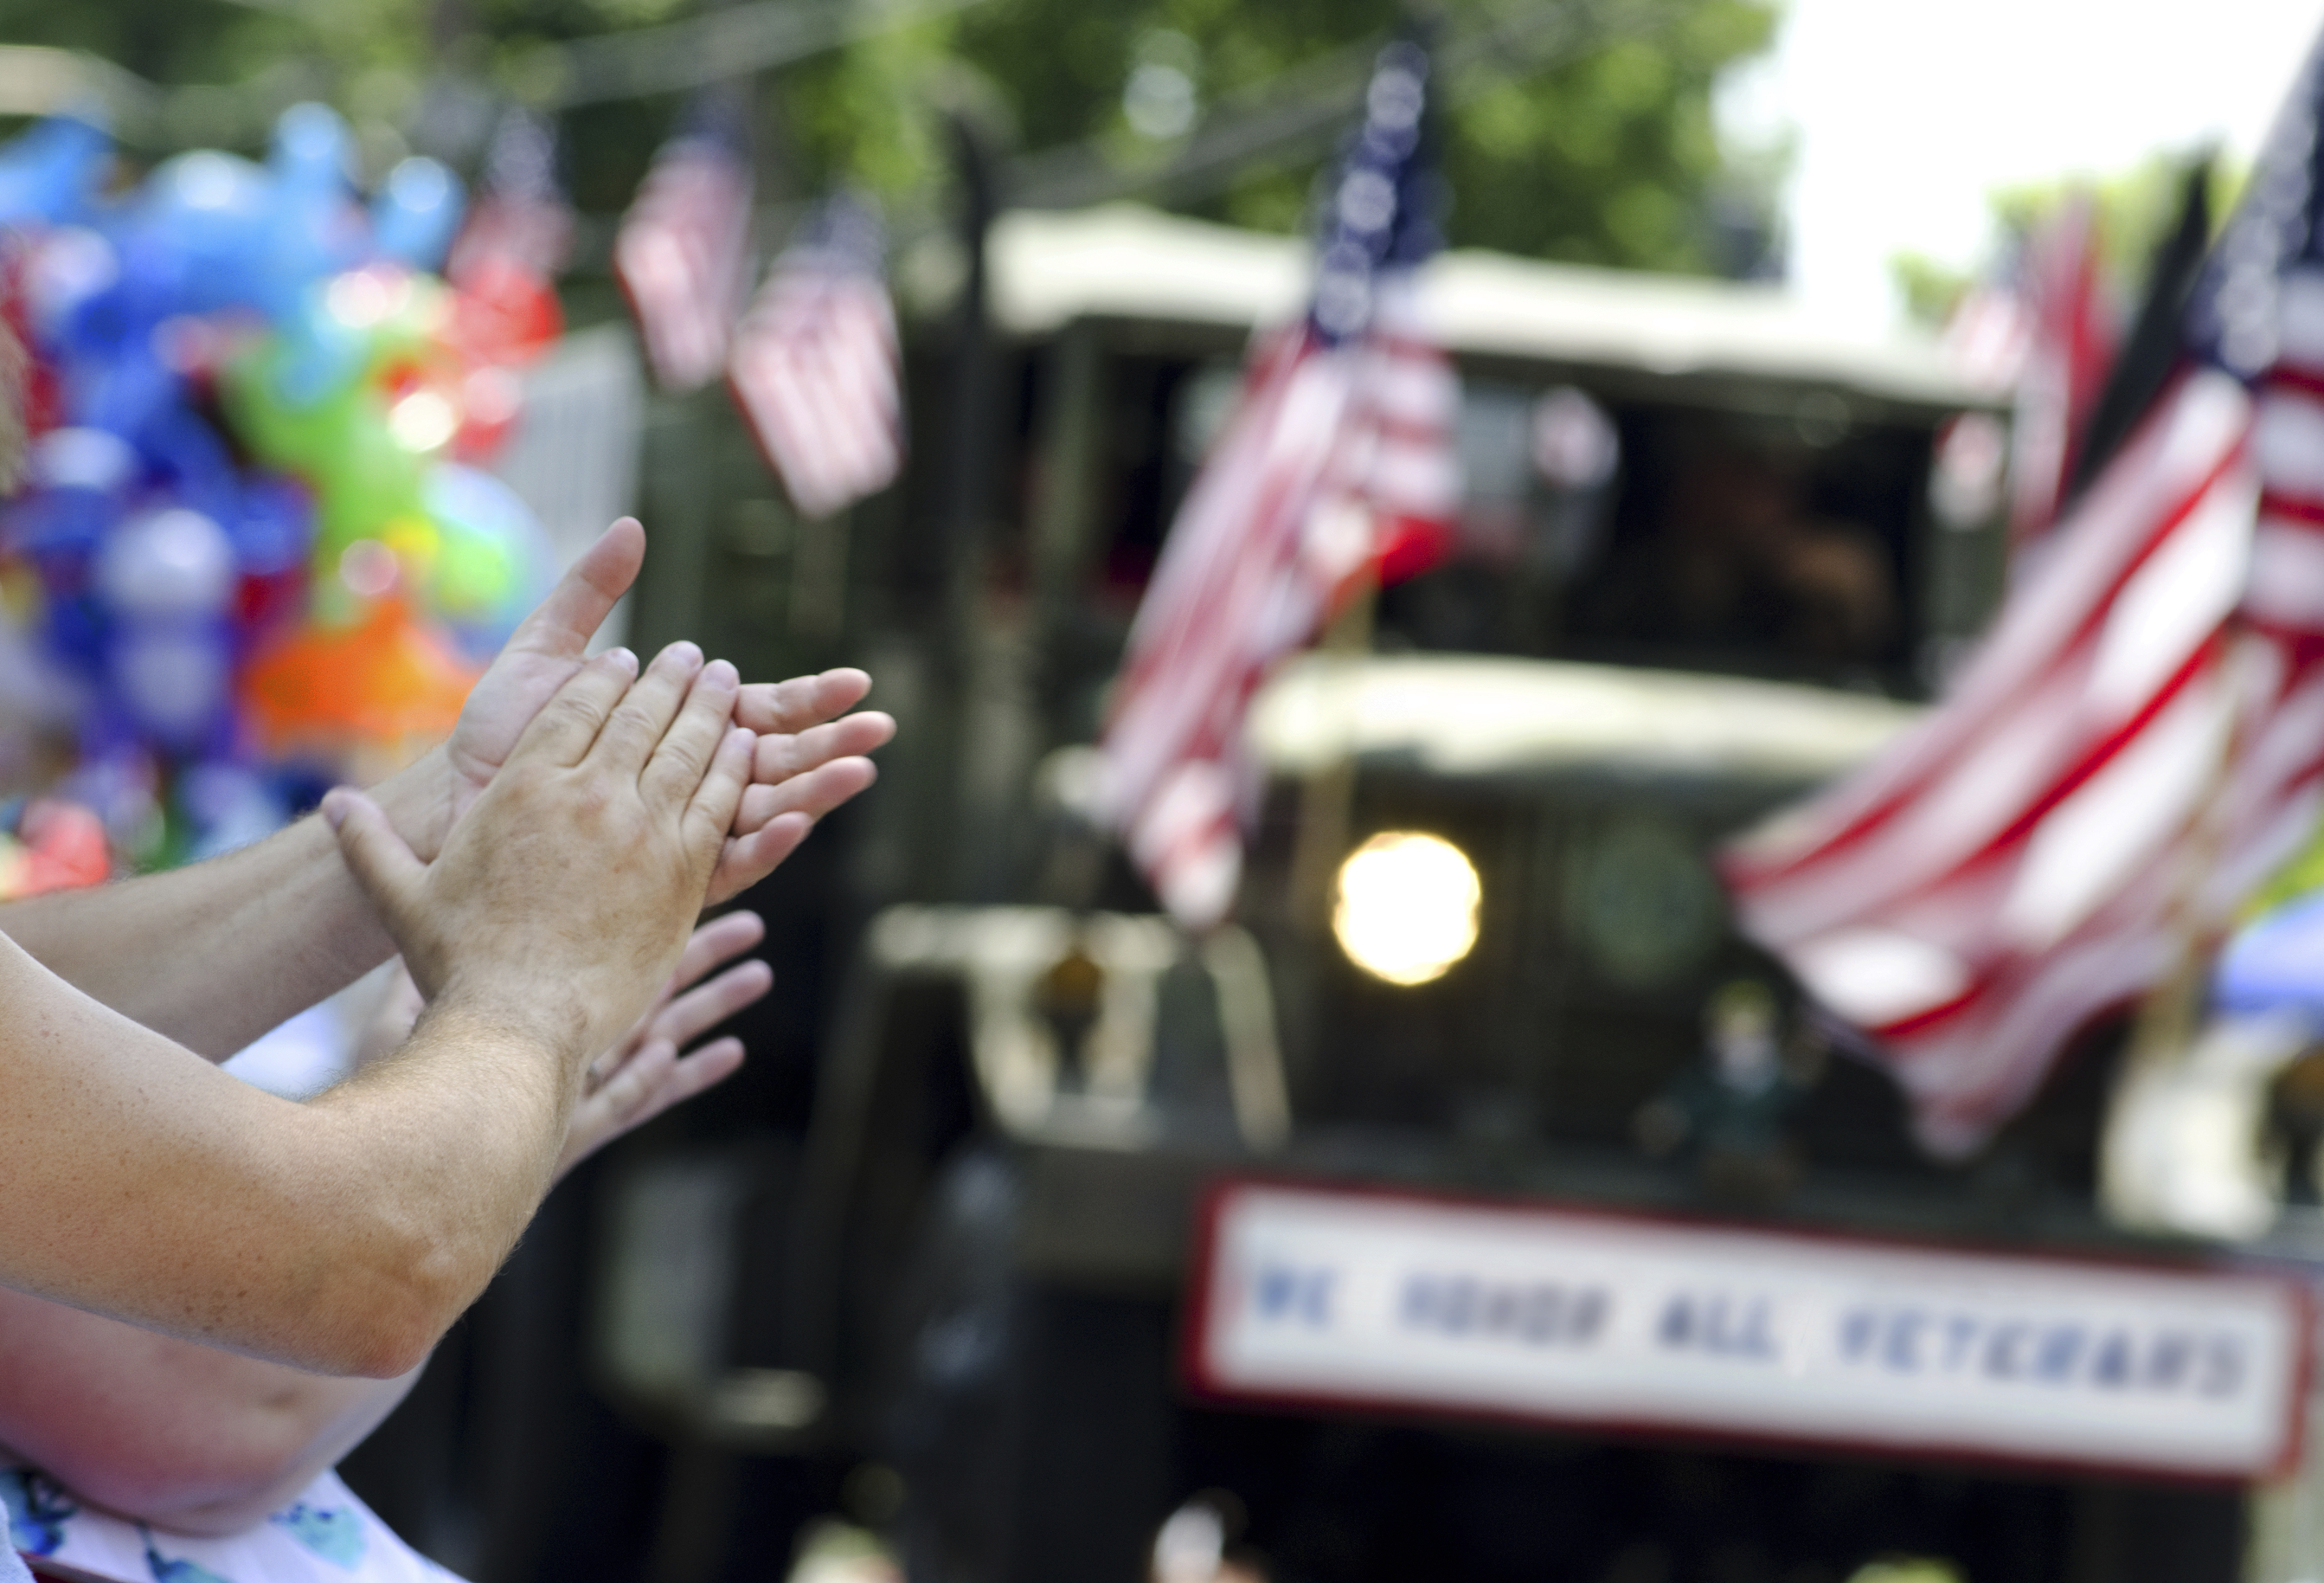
687, 654
722, 674
625, 658
742, 736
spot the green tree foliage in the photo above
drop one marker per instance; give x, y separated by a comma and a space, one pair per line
1573, 129
1597, 148
2136, 208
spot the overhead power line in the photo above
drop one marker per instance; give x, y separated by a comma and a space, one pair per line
732, 42
736, 41
1303, 111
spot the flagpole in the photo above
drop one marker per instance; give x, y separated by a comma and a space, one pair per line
2162, 1029
1327, 795
958, 556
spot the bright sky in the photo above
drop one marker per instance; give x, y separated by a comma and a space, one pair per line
1907, 112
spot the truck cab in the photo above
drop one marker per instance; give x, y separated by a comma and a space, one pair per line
1713, 553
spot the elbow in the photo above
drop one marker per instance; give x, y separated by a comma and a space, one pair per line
382, 1316
390, 1332
384, 1349
392, 1255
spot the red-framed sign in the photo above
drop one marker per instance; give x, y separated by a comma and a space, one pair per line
1359, 1299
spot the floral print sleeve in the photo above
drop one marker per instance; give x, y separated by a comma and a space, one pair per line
324, 1536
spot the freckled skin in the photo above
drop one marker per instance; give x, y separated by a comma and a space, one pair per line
343, 1234
192, 1439
346, 1234
215, 954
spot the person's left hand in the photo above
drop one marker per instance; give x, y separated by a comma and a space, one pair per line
644, 1074
809, 759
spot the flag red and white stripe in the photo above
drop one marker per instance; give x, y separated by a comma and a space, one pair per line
1237, 587
520, 221
2011, 865
1400, 461
2137, 744
2271, 802
683, 257
816, 371
1339, 462
1987, 336
527, 232
2070, 349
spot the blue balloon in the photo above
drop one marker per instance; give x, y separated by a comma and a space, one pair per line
166, 579
416, 213
185, 456
312, 149
275, 528
318, 230
495, 562
49, 174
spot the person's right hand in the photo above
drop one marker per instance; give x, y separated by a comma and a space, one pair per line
810, 754
561, 900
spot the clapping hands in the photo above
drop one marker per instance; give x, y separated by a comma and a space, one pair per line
809, 759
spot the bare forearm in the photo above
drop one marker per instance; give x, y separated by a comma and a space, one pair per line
358, 1407
343, 1236
183, 1437
215, 954
328, 1419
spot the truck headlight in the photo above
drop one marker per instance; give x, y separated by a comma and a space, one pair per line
1406, 906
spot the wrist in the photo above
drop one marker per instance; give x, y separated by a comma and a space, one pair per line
418, 801
511, 1009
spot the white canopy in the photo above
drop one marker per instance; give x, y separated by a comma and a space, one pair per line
1123, 261
1461, 715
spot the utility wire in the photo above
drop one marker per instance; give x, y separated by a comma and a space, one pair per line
736, 41
1303, 111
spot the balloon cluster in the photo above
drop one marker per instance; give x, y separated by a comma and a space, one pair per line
253, 541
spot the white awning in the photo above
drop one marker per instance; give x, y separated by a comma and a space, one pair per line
1122, 260
1463, 715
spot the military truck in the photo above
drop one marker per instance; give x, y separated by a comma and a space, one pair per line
1478, 1203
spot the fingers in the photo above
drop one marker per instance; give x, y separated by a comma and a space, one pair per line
563, 624
745, 860
802, 701
695, 1013
382, 865
569, 723
657, 1079
686, 751
782, 757
635, 727
711, 814
721, 939
649, 1083
703, 1069
814, 794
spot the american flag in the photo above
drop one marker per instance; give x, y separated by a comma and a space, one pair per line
1338, 460
2136, 743
520, 222
814, 364
683, 251
2070, 352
